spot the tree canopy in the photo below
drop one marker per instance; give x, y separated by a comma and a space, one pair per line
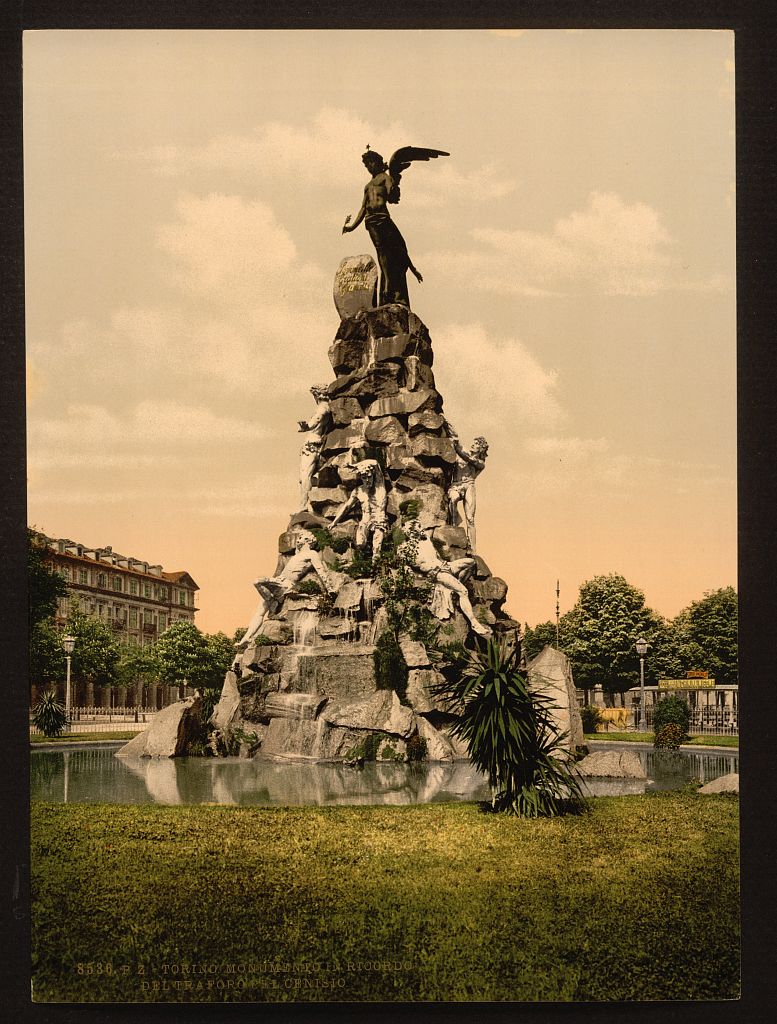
44, 585
598, 634
704, 636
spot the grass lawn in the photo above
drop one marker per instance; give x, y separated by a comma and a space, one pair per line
427, 902
84, 737
647, 737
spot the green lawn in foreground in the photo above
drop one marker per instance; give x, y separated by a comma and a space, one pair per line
647, 737
429, 902
84, 737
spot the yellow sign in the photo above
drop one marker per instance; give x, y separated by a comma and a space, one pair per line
686, 684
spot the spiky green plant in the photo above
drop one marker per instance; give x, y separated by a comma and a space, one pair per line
511, 736
49, 715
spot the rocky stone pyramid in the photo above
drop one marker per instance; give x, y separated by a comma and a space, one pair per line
308, 682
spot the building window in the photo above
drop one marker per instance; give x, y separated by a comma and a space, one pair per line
82, 576
146, 590
133, 617
181, 597
133, 587
101, 579
117, 585
164, 594
162, 621
148, 618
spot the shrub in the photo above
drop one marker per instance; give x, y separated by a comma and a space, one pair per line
262, 641
389, 753
309, 586
510, 735
368, 748
325, 539
672, 711
390, 669
668, 736
360, 567
409, 508
417, 748
208, 701
49, 716
590, 718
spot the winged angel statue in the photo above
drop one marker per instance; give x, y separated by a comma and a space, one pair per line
383, 188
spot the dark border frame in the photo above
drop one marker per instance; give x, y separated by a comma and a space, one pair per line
755, 27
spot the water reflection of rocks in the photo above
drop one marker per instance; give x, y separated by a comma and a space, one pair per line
236, 781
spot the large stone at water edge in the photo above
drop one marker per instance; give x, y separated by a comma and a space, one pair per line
550, 673
724, 784
166, 736
613, 764
356, 284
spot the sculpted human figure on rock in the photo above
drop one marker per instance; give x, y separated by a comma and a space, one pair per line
370, 498
461, 494
305, 560
315, 430
450, 575
383, 187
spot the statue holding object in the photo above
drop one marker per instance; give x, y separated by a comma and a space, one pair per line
383, 188
461, 494
305, 560
451, 576
370, 498
315, 428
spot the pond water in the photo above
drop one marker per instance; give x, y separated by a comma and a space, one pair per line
96, 775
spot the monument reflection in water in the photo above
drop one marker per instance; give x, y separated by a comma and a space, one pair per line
97, 776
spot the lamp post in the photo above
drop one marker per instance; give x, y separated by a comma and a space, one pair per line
68, 642
642, 646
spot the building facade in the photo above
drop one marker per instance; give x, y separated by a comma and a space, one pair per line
139, 601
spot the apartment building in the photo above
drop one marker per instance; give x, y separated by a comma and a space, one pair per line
138, 600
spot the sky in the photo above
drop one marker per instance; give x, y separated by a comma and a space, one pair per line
184, 195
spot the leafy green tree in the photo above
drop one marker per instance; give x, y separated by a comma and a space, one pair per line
47, 656
705, 636
510, 735
222, 654
96, 652
544, 634
138, 665
600, 632
184, 655
45, 586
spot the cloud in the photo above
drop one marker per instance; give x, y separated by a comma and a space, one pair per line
234, 250
323, 152
86, 428
489, 382
609, 246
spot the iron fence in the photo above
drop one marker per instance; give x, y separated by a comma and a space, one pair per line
99, 719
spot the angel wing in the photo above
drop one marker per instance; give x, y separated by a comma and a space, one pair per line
401, 160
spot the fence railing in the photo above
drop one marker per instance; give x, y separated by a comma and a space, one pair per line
99, 719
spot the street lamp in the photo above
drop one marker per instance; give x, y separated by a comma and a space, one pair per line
68, 642
642, 646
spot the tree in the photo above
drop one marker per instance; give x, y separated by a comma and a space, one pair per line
96, 651
45, 586
184, 655
222, 655
137, 665
705, 636
600, 632
510, 735
534, 640
47, 656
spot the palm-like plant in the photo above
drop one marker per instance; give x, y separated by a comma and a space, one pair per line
511, 736
49, 715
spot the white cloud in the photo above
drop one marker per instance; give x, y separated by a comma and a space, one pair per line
609, 246
491, 383
324, 151
86, 428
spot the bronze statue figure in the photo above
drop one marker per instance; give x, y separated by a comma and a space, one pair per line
383, 188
